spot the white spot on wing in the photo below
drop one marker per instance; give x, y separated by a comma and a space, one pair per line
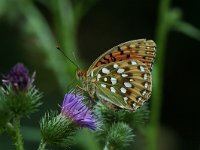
120, 70
92, 74
134, 105
145, 76
142, 102
127, 84
131, 80
125, 99
133, 62
139, 99
105, 71
123, 90
113, 80
112, 89
144, 92
98, 76
142, 68
146, 85
105, 79
103, 85
115, 66
124, 75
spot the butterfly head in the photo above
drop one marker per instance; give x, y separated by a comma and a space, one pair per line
80, 74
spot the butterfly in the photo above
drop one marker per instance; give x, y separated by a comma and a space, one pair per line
122, 75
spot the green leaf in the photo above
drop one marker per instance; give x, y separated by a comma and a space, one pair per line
187, 29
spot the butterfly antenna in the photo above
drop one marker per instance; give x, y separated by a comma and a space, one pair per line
58, 48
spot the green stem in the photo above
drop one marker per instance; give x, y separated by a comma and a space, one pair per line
14, 131
18, 137
188, 29
42, 145
163, 27
105, 148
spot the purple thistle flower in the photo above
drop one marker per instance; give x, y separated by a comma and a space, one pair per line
18, 78
77, 111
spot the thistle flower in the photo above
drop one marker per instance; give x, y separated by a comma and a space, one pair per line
59, 128
21, 95
74, 109
18, 78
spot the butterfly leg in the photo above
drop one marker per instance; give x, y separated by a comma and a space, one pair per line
80, 88
91, 101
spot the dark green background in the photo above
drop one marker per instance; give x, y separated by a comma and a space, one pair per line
105, 25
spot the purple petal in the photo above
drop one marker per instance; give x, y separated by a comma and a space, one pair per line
76, 110
18, 78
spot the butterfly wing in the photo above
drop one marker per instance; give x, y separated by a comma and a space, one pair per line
126, 84
142, 50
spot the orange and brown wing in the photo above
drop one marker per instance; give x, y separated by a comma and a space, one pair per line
142, 50
126, 84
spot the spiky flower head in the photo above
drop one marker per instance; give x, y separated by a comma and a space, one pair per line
21, 95
18, 78
59, 128
74, 109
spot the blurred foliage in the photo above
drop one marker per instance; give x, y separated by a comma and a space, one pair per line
5, 114
168, 20
66, 19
